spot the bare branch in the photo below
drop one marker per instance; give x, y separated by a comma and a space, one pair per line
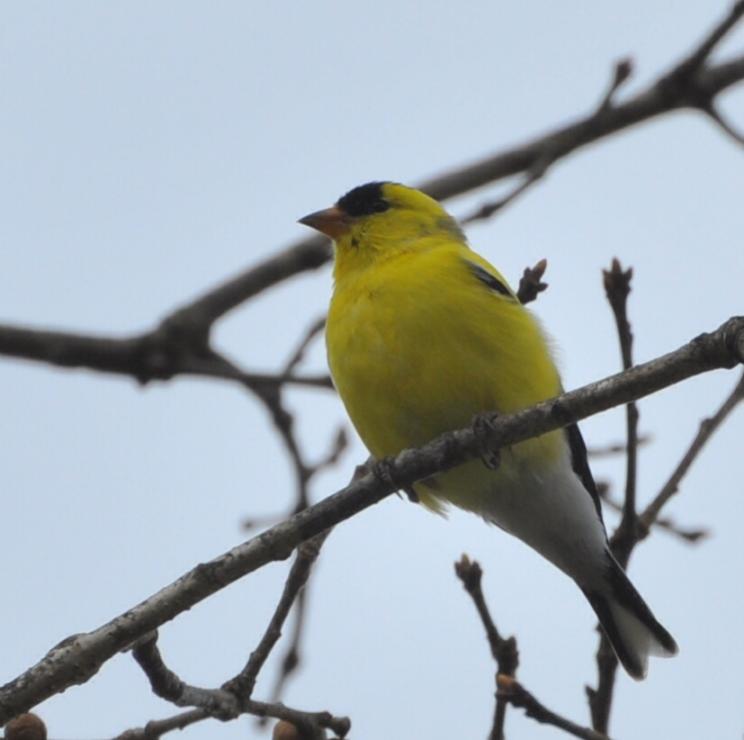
707, 428
699, 56
617, 287
233, 698
157, 728
539, 168
167, 685
311, 724
159, 354
145, 357
298, 355
242, 685
503, 649
78, 658
514, 693
621, 74
667, 524
532, 175
657, 99
291, 659
714, 114
506, 655
631, 529
307, 254
616, 448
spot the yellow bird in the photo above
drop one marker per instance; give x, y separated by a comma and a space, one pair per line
422, 335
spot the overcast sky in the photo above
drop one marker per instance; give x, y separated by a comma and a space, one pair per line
149, 150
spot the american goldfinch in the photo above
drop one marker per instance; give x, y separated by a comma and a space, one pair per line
423, 334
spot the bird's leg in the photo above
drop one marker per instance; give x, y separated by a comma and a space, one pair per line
482, 426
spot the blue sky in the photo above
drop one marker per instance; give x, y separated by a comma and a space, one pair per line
149, 150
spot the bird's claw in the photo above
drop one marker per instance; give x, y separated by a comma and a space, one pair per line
482, 426
382, 469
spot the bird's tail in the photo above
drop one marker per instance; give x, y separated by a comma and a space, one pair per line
630, 626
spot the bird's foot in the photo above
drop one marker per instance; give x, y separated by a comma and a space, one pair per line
383, 470
482, 426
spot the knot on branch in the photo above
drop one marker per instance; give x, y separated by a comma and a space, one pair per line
723, 347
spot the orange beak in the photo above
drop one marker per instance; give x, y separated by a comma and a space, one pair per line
332, 222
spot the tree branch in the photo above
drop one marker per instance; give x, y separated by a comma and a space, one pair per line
691, 535
514, 693
617, 287
505, 653
145, 357
79, 657
707, 428
307, 553
503, 649
233, 698
184, 334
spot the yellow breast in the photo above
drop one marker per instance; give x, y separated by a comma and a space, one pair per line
418, 346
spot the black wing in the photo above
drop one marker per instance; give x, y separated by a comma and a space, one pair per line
489, 280
580, 464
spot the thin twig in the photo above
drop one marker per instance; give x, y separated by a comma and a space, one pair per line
621, 74
700, 54
539, 167
312, 723
299, 354
532, 175
158, 353
505, 653
155, 729
514, 693
503, 649
600, 699
242, 685
167, 685
617, 288
707, 428
77, 658
616, 448
233, 698
531, 284
291, 658
667, 524
714, 114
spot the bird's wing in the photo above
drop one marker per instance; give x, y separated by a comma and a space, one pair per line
580, 464
491, 279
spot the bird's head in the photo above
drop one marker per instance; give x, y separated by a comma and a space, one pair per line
381, 220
